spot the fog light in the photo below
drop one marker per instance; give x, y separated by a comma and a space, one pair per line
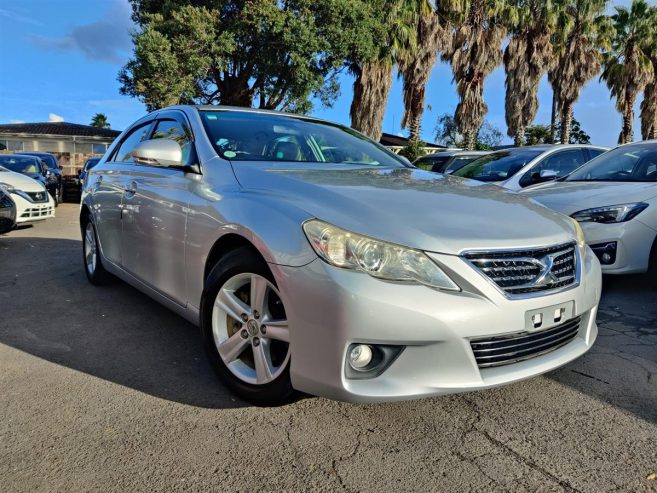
606, 258
360, 356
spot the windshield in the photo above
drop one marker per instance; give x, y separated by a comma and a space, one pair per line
635, 162
458, 162
498, 166
431, 163
25, 165
250, 136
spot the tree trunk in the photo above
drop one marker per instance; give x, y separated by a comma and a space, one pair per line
553, 119
519, 137
470, 140
566, 122
236, 92
414, 127
371, 89
627, 132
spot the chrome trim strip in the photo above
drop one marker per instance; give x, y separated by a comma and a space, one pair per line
536, 294
529, 356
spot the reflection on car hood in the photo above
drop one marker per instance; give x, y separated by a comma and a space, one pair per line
20, 182
569, 197
410, 207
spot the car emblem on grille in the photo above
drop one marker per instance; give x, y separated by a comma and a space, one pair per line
39, 196
546, 277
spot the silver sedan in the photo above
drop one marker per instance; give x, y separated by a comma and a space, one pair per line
315, 260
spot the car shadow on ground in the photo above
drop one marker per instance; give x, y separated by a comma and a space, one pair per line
49, 310
621, 368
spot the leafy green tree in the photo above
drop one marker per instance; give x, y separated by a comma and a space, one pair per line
274, 55
626, 67
413, 150
577, 135
99, 120
447, 134
538, 134
649, 103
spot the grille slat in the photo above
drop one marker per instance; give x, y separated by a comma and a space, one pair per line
528, 271
505, 350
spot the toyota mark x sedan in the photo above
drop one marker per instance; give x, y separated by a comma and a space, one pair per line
314, 260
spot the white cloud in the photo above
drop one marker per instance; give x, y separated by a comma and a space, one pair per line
16, 121
52, 117
107, 39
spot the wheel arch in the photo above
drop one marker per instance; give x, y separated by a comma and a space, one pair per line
225, 244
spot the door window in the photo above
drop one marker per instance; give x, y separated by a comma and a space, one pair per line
175, 130
124, 152
562, 163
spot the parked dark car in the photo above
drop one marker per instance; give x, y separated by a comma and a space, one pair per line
88, 164
55, 169
33, 167
435, 162
7, 213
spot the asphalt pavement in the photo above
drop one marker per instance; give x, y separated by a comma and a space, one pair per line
102, 389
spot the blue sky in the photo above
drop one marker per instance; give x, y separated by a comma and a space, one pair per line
61, 59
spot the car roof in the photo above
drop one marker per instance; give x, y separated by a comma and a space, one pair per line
24, 156
35, 153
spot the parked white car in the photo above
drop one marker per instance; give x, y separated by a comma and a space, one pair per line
519, 167
33, 202
614, 197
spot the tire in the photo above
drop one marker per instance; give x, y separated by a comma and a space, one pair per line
254, 361
652, 265
93, 265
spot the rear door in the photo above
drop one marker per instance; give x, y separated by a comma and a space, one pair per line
155, 206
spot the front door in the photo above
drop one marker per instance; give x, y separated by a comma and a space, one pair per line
155, 205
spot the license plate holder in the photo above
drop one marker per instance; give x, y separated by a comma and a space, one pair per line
549, 316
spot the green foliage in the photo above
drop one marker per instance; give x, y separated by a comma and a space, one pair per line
99, 120
413, 150
241, 52
541, 134
538, 134
446, 133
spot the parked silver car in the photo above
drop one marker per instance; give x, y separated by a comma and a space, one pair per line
313, 259
519, 167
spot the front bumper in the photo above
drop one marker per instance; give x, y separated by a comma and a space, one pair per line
329, 308
27, 211
633, 240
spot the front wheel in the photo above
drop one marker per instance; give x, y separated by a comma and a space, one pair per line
245, 329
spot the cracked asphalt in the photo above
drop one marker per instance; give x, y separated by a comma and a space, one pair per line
104, 390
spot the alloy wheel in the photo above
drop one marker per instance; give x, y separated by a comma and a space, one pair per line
250, 329
90, 250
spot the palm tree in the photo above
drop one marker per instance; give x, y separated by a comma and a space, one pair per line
649, 103
99, 120
475, 52
433, 35
374, 75
626, 68
579, 36
526, 58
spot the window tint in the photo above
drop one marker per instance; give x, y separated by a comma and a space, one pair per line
595, 152
174, 130
499, 165
249, 136
635, 162
124, 153
563, 162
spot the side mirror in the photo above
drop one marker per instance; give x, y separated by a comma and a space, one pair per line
158, 152
548, 174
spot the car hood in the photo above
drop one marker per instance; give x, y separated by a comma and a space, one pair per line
410, 207
20, 182
569, 197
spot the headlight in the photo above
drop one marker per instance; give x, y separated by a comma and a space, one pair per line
377, 258
7, 187
579, 237
610, 214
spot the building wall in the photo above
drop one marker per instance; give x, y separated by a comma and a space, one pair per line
70, 153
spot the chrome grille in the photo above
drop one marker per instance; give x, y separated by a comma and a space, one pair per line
508, 349
521, 272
